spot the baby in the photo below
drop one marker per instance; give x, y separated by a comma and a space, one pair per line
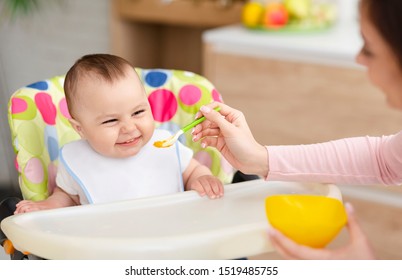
115, 158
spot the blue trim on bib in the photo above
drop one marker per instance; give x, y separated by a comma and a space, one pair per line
76, 178
181, 172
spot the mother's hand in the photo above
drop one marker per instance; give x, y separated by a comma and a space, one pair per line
228, 131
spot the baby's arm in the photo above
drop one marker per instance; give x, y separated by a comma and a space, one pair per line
199, 178
58, 199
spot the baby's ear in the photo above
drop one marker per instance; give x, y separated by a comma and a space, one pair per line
77, 127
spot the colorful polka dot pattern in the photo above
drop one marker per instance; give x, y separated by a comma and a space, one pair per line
163, 104
38, 118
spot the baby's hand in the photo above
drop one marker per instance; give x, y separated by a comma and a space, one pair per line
26, 206
208, 185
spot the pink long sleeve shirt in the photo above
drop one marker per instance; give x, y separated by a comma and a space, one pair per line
359, 160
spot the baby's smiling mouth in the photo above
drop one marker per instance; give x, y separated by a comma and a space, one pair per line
135, 139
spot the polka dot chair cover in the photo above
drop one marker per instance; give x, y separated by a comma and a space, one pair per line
38, 119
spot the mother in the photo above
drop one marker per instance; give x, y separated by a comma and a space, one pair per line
360, 160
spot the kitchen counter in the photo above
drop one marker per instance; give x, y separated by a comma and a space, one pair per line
337, 45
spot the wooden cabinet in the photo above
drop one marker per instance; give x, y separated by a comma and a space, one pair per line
167, 34
185, 12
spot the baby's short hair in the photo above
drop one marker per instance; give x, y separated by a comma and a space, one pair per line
106, 67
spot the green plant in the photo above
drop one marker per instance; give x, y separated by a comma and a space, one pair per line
13, 9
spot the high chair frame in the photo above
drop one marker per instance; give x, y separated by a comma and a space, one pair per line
38, 120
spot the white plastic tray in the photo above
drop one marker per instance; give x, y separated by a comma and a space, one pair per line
179, 226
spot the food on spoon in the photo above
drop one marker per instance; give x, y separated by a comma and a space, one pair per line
160, 144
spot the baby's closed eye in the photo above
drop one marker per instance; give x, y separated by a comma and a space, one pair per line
136, 113
109, 121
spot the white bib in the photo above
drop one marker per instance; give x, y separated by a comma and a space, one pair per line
153, 171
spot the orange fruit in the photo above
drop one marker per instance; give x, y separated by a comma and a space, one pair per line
276, 15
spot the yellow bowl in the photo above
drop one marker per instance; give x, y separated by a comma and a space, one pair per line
310, 220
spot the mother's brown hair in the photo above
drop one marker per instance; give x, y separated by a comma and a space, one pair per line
386, 16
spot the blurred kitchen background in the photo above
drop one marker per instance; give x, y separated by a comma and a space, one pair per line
294, 86
40, 44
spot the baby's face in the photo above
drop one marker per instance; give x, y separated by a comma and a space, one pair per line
115, 118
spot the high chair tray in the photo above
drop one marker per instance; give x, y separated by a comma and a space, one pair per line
178, 226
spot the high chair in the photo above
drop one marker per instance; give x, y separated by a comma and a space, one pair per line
176, 226
38, 119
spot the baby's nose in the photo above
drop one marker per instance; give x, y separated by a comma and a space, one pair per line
128, 126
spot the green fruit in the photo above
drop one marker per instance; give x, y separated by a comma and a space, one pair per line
299, 9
